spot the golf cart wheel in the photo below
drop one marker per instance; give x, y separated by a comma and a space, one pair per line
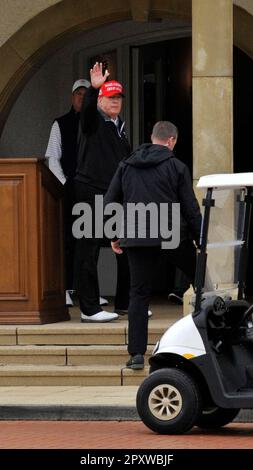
168, 401
215, 417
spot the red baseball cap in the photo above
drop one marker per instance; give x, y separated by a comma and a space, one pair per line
111, 88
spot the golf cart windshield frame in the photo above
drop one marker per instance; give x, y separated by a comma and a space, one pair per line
243, 181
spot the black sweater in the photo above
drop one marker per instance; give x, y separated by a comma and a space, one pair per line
153, 174
105, 145
68, 125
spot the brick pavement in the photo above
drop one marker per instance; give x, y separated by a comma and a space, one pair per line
116, 435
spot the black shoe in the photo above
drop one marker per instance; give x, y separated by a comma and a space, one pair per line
136, 362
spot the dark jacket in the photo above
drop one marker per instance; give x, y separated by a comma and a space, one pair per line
68, 125
105, 145
153, 174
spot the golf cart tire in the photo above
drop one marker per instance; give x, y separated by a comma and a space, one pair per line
167, 392
213, 418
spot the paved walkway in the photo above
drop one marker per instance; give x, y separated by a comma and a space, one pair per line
116, 435
72, 396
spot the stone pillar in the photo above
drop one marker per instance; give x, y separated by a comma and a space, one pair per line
212, 47
212, 82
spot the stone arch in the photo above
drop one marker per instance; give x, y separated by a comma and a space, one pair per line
51, 29
243, 31
31, 45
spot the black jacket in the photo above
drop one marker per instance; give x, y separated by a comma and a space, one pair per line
153, 174
68, 125
105, 145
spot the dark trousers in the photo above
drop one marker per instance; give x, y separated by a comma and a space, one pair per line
69, 240
86, 260
142, 264
181, 283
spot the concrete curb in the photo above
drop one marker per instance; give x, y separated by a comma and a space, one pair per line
68, 413
83, 413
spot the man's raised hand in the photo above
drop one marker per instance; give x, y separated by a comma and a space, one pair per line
96, 75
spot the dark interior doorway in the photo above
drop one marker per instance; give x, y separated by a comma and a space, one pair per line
243, 111
165, 79
243, 126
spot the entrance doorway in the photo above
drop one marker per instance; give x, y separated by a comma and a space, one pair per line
162, 90
243, 119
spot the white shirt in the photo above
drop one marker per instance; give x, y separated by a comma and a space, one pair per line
54, 153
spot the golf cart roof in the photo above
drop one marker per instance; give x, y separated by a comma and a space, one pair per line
226, 181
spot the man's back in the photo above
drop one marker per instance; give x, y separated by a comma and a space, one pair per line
152, 174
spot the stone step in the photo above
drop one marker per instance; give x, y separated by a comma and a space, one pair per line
28, 375
72, 334
76, 334
8, 335
30, 354
100, 355
70, 355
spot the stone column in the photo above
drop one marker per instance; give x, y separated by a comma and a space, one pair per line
212, 82
212, 47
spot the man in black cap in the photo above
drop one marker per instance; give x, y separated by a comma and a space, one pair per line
62, 158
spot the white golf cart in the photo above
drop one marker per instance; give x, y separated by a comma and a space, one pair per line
201, 370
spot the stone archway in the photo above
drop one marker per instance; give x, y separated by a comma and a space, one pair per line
243, 31
30, 46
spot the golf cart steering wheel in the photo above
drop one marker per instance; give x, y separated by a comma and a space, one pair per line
216, 322
219, 307
216, 317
